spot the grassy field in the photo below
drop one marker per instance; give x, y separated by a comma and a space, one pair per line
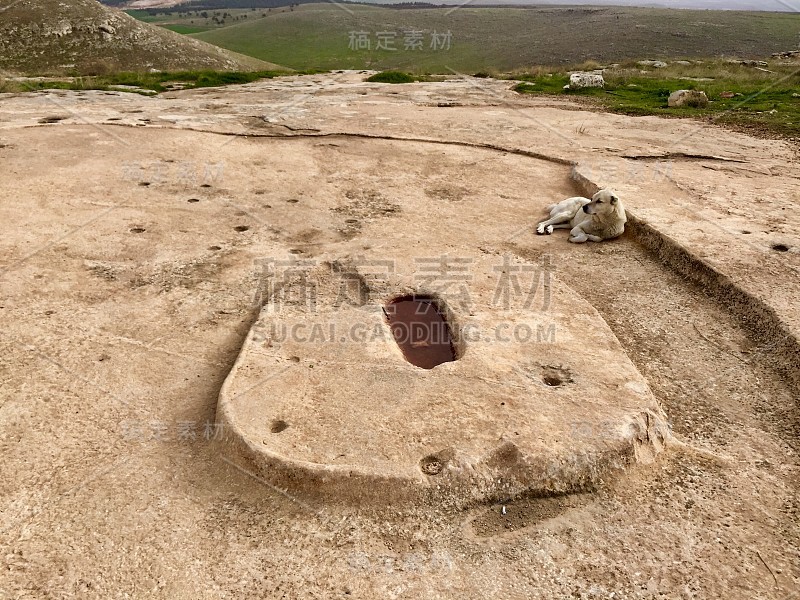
201, 20
739, 95
496, 39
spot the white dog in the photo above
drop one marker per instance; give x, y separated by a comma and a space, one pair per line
601, 218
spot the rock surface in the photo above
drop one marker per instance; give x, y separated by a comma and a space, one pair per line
134, 233
358, 423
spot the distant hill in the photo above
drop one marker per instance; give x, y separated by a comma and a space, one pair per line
757, 5
83, 36
326, 36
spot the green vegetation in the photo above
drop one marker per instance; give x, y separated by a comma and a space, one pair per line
325, 36
392, 77
142, 83
188, 22
739, 95
142, 15
185, 29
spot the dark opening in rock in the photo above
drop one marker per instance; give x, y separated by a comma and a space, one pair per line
278, 425
556, 376
780, 247
420, 330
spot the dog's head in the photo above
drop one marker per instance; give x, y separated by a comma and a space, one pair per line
605, 203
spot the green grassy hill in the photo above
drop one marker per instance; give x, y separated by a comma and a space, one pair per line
318, 36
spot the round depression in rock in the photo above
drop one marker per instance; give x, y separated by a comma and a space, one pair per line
347, 401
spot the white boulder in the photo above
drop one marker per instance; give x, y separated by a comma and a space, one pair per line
656, 64
583, 79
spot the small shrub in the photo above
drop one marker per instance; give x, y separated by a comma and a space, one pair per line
392, 77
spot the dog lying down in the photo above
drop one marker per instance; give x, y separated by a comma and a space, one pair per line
601, 218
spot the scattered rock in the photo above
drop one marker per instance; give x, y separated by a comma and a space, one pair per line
683, 62
727, 95
790, 54
656, 64
106, 29
585, 79
691, 98
751, 63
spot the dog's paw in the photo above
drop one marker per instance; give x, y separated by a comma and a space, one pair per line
543, 229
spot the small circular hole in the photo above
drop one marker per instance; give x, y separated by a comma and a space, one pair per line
278, 425
293, 200
215, 248
295, 359
745, 232
555, 376
193, 200
431, 465
780, 247
144, 183
205, 185
241, 228
295, 251
137, 230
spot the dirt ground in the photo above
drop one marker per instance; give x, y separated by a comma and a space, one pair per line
129, 261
